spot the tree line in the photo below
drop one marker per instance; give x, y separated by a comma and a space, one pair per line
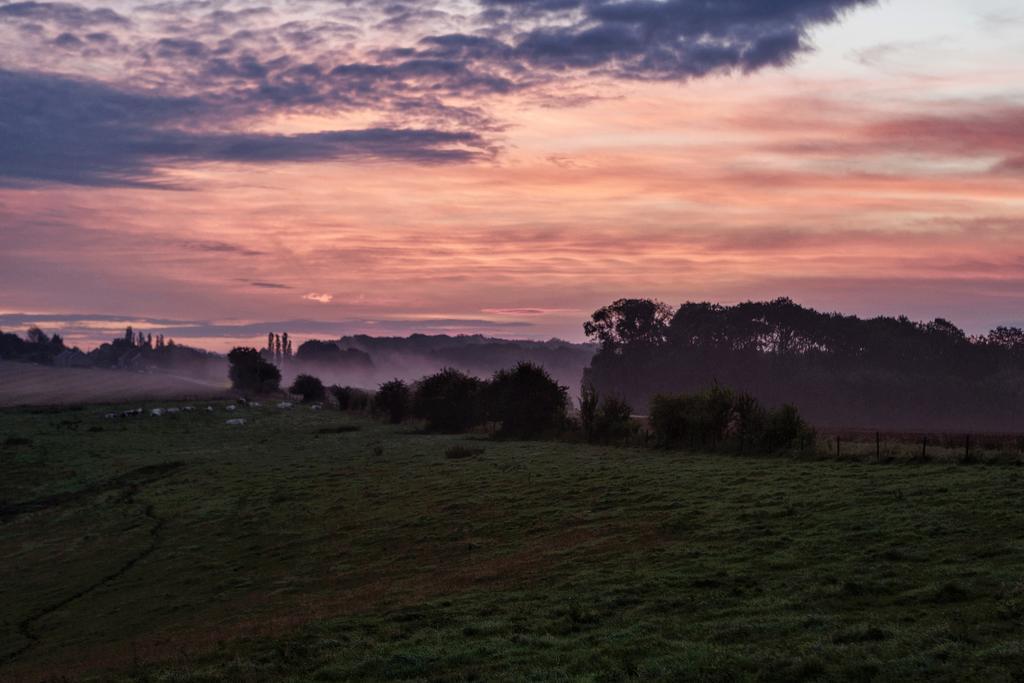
525, 402
838, 370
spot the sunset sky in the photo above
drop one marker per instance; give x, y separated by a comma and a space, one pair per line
214, 169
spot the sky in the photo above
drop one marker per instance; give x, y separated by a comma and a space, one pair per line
214, 169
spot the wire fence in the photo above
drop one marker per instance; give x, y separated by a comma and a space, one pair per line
889, 446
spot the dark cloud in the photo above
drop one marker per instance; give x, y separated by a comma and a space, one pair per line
675, 39
60, 129
426, 69
60, 13
268, 285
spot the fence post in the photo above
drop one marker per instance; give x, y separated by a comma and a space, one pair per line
924, 448
967, 448
878, 447
839, 442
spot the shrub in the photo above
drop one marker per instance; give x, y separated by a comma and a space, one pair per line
393, 400
748, 422
720, 418
671, 418
450, 401
589, 403
250, 372
604, 420
350, 398
614, 420
527, 401
309, 388
784, 427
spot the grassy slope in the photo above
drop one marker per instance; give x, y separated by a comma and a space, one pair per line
273, 552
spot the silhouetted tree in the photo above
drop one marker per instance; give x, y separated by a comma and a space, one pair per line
837, 370
309, 388
393, 400
629, 323
37, 336
589, 403
249, 371
450, 401
527, 401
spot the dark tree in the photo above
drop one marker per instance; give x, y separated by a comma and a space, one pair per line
37, 336
839, 371
309, 388
629, 323
527, 401
589, 401
393, 400
343, 396
450, 401
614, 420
250, 372
350, 398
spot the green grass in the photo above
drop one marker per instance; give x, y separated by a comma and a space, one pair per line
294, 549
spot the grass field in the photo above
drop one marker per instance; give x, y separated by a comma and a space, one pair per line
24, 384
314, 546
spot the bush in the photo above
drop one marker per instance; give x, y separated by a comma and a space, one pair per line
604, 421
393, 400
720, 418
784, 427
671, 418
309, 388
250, 372
748, 422
350, 398
450, 401
527, 401
614, 420
590, 401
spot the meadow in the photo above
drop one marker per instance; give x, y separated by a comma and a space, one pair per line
30, 384
327, 547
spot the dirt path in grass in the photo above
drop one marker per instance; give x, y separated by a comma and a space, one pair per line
131, 483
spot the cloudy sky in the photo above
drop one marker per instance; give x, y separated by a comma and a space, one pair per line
213, 168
